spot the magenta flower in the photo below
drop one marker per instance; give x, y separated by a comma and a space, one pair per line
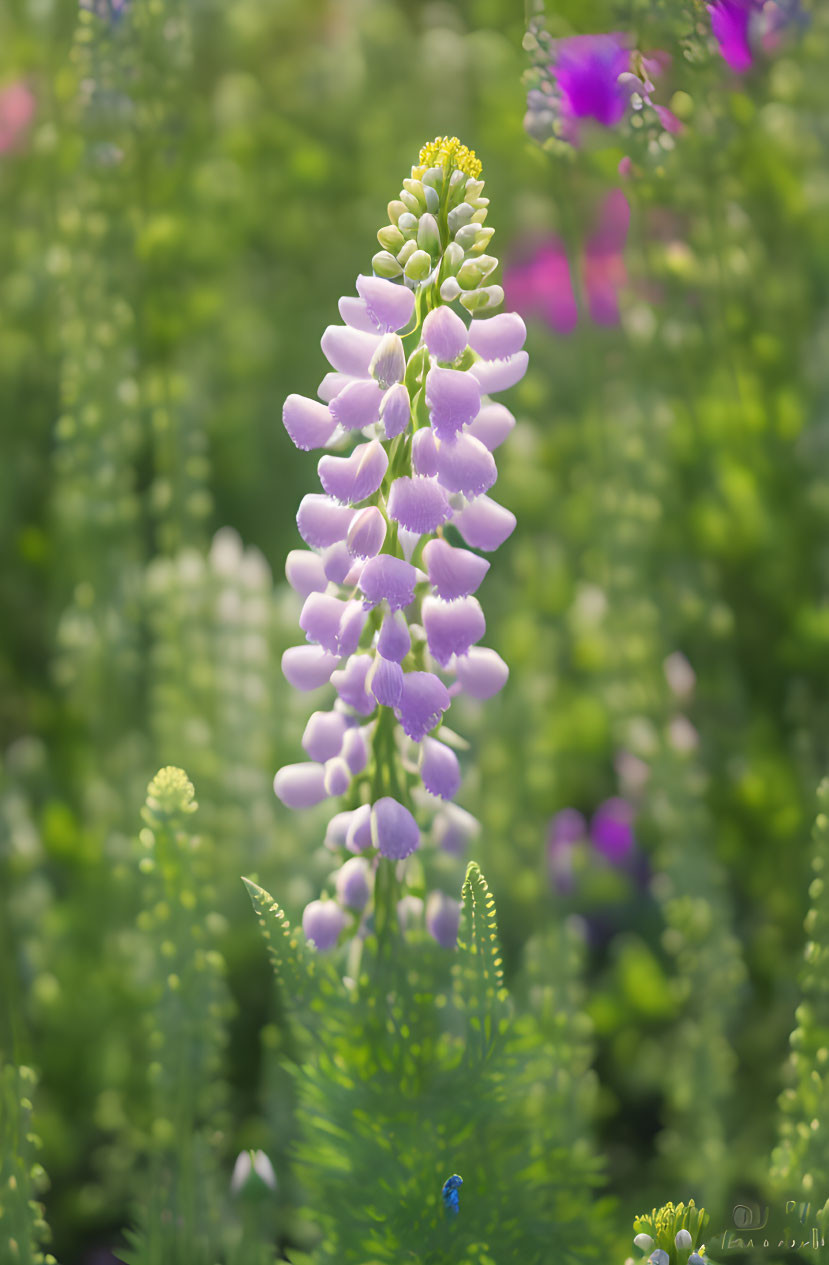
542, 286
730, 24
588, 70
389, 613
611, 830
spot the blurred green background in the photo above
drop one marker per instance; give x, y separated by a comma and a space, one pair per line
195, 187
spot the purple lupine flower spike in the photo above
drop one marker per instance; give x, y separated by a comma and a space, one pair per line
388, 606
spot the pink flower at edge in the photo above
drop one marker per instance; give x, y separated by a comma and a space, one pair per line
604, 261
17, 108
542, 287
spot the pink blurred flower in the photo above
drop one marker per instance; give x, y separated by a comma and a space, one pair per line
542, 286
604, 261
17, 108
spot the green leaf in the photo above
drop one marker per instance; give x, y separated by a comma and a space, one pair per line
479, 977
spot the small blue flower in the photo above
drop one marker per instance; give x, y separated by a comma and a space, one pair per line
450, 1194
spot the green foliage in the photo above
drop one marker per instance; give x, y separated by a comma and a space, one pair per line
800, 1164
414, 1071
180, 1217
23, 1231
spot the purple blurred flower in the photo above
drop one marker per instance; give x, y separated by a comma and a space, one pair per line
588, 70
322, 922
730, 22
611, 830
443, 916
742, 27
597, 77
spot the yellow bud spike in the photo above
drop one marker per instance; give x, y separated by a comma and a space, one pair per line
447, 151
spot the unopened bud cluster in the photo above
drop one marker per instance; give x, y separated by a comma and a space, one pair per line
436, 235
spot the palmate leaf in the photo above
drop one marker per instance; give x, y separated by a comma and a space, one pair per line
478, 975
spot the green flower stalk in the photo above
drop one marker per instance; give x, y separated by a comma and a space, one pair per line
180, 1216
23, 1230
800, 1163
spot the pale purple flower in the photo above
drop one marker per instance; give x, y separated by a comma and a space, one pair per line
300, 785
323, 922
388, 578
481, 672
308, 422
305, 572
419, 504
321, 521
445, 334
324, 734
453, 398
353, 883
387, 603
352, 479
358, 835
366, 533
394, 831
465, 465
423, 700
308, 667
452, 627
453, 572
454, 829
395, 640
439, 769
484, 524
443, 915
385, 681
425, 451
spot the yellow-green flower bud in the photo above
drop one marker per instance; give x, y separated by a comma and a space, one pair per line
411, 202
385, 265
415, 189
418, 266
395, 210
428, 234
450, 290
470, 274
408, 224
406, 251
452, 258
467, 236
459, 216
482, 239
390, 238
483, 299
